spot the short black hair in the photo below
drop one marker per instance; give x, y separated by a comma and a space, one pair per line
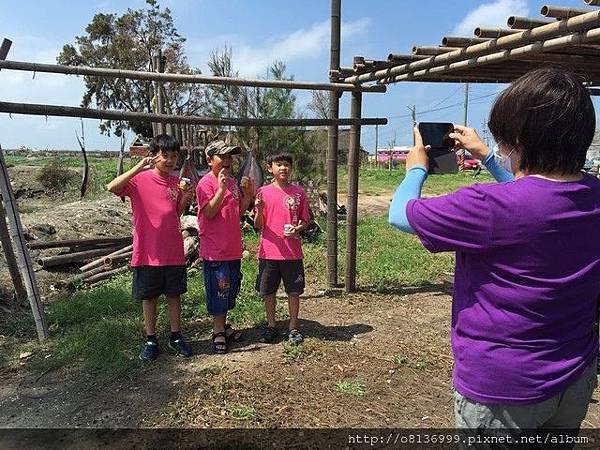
548, 118
280, 156
164, 143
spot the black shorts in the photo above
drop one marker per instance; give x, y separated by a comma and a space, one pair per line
153, 281
272, 271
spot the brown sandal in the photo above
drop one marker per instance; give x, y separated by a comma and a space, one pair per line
219, 347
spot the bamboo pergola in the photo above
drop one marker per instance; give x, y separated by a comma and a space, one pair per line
569, 37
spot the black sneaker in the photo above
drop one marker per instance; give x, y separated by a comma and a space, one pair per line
180, 347
149, 351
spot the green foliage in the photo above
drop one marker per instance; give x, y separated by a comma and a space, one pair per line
402, 360
55, 177
350, 387
128, 42
241, 412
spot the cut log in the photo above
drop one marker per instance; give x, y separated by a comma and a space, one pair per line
69, 258
80, 243
80, 277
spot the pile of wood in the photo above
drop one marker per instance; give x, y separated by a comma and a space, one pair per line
105, 257
108, 257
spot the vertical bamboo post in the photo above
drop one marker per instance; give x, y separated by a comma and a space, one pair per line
22, 253
332, 149
351, 220
160, 127
10, 257
4, 48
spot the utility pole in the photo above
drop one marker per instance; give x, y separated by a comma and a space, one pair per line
413, 113
484, 131
466, 103
376, 146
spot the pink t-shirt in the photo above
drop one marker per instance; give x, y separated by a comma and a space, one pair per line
157, 239
282, 206
221, 236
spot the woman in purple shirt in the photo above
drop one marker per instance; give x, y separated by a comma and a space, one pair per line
527, 274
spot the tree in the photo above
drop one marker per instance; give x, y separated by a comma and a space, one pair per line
129, 42
319, 105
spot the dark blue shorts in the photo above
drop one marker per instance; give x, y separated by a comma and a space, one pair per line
222, 281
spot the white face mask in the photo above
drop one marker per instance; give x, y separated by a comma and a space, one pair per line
504, 160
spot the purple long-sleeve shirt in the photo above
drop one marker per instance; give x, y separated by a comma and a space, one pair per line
527, 280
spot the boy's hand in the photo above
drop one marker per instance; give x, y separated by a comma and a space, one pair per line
294, 232
146, 163
222, 179
259, 203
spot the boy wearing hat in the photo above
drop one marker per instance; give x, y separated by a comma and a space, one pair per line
220, 205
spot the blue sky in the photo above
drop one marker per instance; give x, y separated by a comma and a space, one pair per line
259, 31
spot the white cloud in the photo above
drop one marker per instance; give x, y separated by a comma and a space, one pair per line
303, 44
492, 14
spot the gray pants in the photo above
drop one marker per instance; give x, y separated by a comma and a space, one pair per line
565, 410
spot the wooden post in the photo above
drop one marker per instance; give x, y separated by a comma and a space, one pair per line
160, 107
351, 220
332, 150
20, 249
9, 255
6, 43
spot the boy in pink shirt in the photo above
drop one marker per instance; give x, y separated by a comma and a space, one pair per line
281, 214
158, 260
220, 205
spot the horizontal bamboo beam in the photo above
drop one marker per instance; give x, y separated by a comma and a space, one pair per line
493, 33
181, 78
451, 41
79, 242
594, 91
561, 12
526, 22
426, 50
88, 113
592, 2
537, 47
548, 31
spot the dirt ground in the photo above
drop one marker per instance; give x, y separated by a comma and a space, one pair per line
394, 345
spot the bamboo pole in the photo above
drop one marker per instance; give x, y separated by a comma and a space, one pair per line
493, 33
352, 202
451, 41
22, 254
592, 2
183, 78
100, 261
79, 242
427, 50
549, 31
559, 12
9, 256
105, 275
332, 150
68, 258
70, 111
537, 47
4, 48
82, 276
517, 22
117, 259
